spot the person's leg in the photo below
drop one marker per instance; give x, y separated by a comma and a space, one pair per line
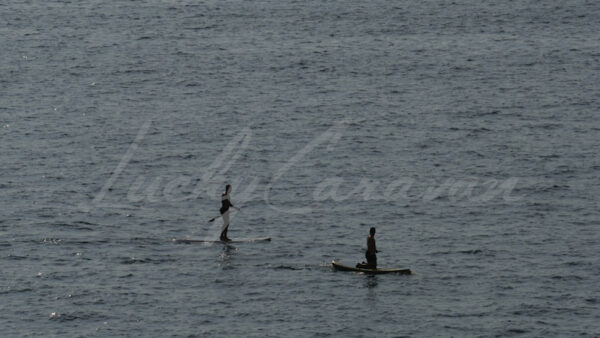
227, 237
371, 260
225, 226
364, 265
223, 236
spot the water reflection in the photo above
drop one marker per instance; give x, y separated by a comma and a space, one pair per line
226, 255
371, 295
370, 281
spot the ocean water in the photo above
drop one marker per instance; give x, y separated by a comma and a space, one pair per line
466, 132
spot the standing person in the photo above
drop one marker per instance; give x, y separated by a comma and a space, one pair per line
225, 204
371, 253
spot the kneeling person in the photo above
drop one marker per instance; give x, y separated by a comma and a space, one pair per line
371, 253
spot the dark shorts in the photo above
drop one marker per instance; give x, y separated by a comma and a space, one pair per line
371, 258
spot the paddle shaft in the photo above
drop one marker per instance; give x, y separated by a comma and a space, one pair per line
214, 218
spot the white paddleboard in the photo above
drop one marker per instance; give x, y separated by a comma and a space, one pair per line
239, 240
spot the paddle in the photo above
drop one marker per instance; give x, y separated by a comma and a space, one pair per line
214, 218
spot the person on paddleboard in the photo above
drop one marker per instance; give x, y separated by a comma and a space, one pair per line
225, 204
371, 253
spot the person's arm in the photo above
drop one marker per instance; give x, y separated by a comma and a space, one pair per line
233, 206
374, 245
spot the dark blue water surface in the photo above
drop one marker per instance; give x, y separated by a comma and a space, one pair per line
466, 132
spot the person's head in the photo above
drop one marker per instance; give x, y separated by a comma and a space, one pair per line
372, 231
228, 189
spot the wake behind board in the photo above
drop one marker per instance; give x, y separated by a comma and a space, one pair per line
241, 240
341, 267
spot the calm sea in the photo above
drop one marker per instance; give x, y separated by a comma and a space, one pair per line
466, 132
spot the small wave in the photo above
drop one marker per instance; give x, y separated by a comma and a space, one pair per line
63, 317
576, 263
567, 277
546, 126
471, 252
554, 187
97, 241
285, 267
145, 240
132, 260
465, 252
477, 113
516, 331
15, 257
72, 226
463, 315
51, 240
85, 223
2, 292
67, 317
